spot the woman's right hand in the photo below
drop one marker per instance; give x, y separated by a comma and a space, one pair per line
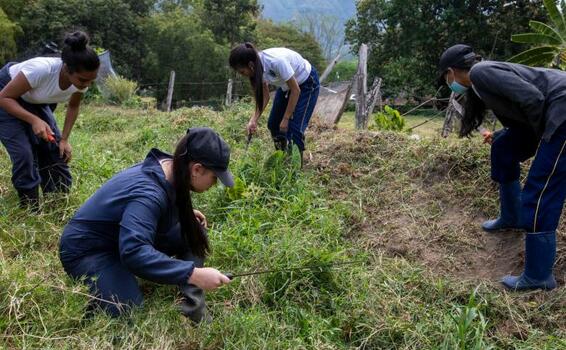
487, 137
42, 129
208, 278
252, 126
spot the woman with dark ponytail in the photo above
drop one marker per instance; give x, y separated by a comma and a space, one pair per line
297, 90
38, 150
133, 225
531, 105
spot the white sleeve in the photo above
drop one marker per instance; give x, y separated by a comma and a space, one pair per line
283, 69
35, 72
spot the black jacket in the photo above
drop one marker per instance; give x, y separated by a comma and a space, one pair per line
521, 95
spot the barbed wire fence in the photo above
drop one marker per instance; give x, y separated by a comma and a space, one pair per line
190, 93
217, 94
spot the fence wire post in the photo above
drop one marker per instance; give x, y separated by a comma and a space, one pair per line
361, 89
170, 90
228, 101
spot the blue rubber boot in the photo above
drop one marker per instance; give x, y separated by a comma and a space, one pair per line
540, 252
510, 219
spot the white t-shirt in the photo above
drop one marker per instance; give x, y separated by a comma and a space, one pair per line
280, 64
42, 74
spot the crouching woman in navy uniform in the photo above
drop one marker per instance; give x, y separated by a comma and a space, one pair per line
133, 225
531, 105
38, 150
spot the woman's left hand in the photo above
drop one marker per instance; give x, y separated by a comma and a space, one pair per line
65, 150
284, 126
201, 218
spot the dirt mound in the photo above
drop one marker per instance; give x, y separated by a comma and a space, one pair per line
422, 200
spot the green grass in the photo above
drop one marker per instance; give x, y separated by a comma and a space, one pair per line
277, 217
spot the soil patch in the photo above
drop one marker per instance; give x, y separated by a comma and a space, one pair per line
421, 200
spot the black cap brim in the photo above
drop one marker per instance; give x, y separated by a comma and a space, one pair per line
226, 177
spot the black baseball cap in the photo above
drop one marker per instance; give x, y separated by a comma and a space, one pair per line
457, 56
205, 146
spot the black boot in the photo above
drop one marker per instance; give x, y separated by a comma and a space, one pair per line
193, 304
280, 143
29, 199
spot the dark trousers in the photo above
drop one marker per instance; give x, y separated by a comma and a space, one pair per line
302, 114
34, 161
114, 287
544, 192
510, 148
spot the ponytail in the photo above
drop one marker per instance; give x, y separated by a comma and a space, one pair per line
474, 108
77, 55
191, 230
474, 113
240, 57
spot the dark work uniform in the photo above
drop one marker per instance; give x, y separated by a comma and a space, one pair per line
531, 104
34, 161
128, 228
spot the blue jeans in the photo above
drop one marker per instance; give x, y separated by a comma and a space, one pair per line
34, 161
302, 114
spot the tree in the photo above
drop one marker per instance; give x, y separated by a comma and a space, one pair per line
112, 24
173, 5
415, 33
231, 21
327, 30
550, 40
8, 32
12, 8
270, 34
178, 41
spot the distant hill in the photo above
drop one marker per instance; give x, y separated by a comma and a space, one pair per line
290, 11
286, 10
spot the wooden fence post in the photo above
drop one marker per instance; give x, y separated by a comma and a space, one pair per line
170, 90
328, 69
361, 88
228, 101
374, 96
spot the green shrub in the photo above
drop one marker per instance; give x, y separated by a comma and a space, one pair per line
120, 91
389, 119
93, 94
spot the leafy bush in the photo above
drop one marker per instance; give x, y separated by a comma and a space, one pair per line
343, 71
93, 94
120, 91
389, 119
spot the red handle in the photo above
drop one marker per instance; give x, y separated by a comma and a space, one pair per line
51, 138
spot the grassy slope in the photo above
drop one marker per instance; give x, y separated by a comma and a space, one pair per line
279, 218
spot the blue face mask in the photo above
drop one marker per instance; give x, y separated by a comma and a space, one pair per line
458, 88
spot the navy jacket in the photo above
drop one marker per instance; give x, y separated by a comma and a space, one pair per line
521, 95
133, 215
